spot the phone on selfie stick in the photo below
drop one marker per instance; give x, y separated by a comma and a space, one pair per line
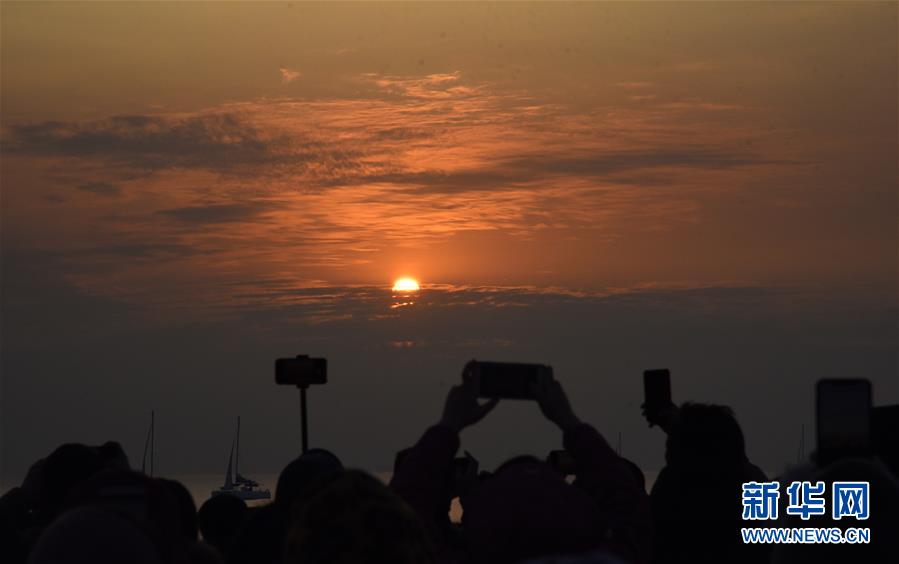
302, 372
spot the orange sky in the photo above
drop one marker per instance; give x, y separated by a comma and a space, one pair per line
200, 161
586, 146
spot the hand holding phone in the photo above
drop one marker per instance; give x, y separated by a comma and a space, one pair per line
554, 404
462, 409
658, 409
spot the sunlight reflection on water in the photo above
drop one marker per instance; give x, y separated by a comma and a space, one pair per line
404, 298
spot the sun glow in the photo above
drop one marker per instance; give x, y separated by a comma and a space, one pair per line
405, 285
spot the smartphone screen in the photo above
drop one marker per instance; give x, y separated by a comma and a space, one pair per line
843, 413
657, 387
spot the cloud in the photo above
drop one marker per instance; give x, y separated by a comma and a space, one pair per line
221, 140
374, 303
288, 75
154, 250
340, 184
217, 213
634, 85
432, 86
101, 188
541, 171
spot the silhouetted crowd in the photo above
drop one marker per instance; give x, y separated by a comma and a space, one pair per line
84, 504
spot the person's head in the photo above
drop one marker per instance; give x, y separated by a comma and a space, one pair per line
144, 501
220, 518
70, 465
705, 434
515, 461
113, 455
91, 535
356, 519
305, 472
187, 509
261, 539
525, 510
62, 471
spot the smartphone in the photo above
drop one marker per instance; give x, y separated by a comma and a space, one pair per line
505, 380
843, 417
301, 371
562, 462
656, 388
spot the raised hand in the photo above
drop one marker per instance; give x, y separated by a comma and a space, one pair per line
664, 416
462, 408
554, 403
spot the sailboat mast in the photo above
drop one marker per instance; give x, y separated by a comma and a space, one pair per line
152, 439
143, 462
229, 483
237, 454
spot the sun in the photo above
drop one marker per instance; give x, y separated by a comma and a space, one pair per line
406, 285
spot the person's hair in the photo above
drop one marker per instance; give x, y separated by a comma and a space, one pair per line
220, 518
703, 433
516, 460
95, 535
356, 519
304, 473
526, 510
66, 468
147, 502
187, 509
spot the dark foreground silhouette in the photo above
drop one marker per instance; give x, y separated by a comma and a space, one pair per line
84, 504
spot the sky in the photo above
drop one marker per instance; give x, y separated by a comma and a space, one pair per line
189, 191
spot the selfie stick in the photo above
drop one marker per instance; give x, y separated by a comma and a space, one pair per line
303, 429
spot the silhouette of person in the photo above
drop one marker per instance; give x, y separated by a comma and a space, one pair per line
25, 511
883, 519
261, 539
91, 535
356, 519
526, 509
220, 519
696, 499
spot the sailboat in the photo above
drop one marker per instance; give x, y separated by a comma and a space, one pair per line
239, 486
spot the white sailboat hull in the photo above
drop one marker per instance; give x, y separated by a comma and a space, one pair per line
244, 494
239, 486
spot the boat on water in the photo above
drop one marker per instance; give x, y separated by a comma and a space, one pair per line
235, 484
